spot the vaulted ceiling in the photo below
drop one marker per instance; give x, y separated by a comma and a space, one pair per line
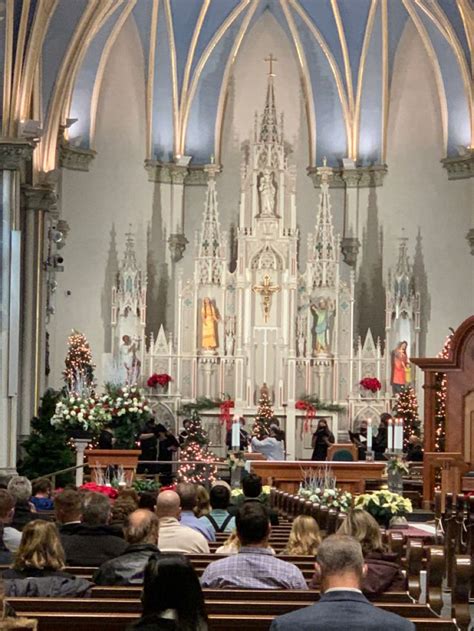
54, 54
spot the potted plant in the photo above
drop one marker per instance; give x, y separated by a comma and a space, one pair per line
384, 506
128, 410
161, 381
369, 384
82, 416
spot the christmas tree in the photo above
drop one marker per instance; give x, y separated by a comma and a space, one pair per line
440, 399
196, 456
261, 427
406, 408
79, 371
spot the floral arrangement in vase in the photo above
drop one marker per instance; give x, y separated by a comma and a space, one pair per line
384, 505
370, 383
128, 410
81, 415
162, 380
332, 498
238, 497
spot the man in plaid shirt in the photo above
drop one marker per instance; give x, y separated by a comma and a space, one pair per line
255, 566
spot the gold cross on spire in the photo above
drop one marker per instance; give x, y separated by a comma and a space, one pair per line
266, 290
271, 59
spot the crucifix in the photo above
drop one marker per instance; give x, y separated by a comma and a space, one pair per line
266, 290
271, 59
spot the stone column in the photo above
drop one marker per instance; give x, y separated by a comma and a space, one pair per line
37, 201
13, 156
350, 243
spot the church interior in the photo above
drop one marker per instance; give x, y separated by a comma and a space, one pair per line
237, 239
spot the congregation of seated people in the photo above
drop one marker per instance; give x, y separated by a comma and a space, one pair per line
146, 540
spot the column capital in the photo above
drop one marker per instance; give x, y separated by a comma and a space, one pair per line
39, 198
15, 151
75, 158
172, 173
363, 177
460, 167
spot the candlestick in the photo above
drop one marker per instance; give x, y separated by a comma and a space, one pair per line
236, 433
369, 435
390, 434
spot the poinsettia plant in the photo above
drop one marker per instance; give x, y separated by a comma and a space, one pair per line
370, 383
161, 379
109, 491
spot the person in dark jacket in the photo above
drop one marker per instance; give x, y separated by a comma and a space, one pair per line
68, 510
322, 438
380, 441
93, 541
167, 579
340, 565
20, 488
141, 533
38, 566
415, 449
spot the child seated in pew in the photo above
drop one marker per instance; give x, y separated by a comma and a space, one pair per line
38, 567
383, 571
172, 597
305, 537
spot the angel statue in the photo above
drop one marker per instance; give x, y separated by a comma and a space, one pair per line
322, 312
267, 191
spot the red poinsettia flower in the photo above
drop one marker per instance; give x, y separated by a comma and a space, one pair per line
162, 380
370, 383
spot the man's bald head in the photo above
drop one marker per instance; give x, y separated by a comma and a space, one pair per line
141, 527
168, 504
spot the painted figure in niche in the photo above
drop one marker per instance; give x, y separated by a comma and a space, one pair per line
401, 368
209, 317
129, 362
322, 312
267, 191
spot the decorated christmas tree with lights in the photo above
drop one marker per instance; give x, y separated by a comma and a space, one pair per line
261, 427
406, 408
440, 399
196, 457
79, 371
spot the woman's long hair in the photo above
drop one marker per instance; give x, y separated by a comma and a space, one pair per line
172, 583
305, 536
203, 506
362, 526
40, 547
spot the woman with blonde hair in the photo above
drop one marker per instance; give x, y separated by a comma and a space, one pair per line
304, 538
383, 569
203, 506
38, 567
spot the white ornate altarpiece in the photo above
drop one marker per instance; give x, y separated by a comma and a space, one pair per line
268, 321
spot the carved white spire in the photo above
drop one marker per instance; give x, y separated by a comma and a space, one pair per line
402, 294
129, 293
210, 242
324, 254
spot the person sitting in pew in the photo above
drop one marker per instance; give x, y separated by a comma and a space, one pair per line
172, 597
10, 538
219, 519
172, 536
254, 567
38, 569
188, 495
20, 488
383, 572
41, 498
93, 541
141, 533
305, 537
340, 566
252, 488
68, 510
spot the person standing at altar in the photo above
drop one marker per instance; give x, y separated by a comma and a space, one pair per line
149, 447
380, 442
167, 446
322, 438
401, 371
272, 446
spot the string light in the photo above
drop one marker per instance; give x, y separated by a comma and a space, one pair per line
406, 408
440, 399
79, 366
261, 427
198, 466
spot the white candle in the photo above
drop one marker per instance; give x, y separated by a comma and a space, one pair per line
390, 434
369, 435
236, 433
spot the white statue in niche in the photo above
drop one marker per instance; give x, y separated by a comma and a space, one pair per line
267, 190
129, 362
322, 310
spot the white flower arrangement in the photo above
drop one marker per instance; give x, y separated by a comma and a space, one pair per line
125, 401
332, 498
80, 413
384, 504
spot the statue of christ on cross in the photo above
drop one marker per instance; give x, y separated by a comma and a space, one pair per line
266, 290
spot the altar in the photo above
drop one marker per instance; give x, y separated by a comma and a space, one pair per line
286, 475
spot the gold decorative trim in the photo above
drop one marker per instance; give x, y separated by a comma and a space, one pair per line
18, 70
151, 80
221, 105
200, 66
385, 80
345, 56
102, 64
437, 70
307, 87
360, 78
174, 79
189, 61
335, 69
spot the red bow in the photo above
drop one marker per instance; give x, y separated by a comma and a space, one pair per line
310, 412
224, 416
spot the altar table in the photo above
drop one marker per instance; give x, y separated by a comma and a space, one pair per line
286, 475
